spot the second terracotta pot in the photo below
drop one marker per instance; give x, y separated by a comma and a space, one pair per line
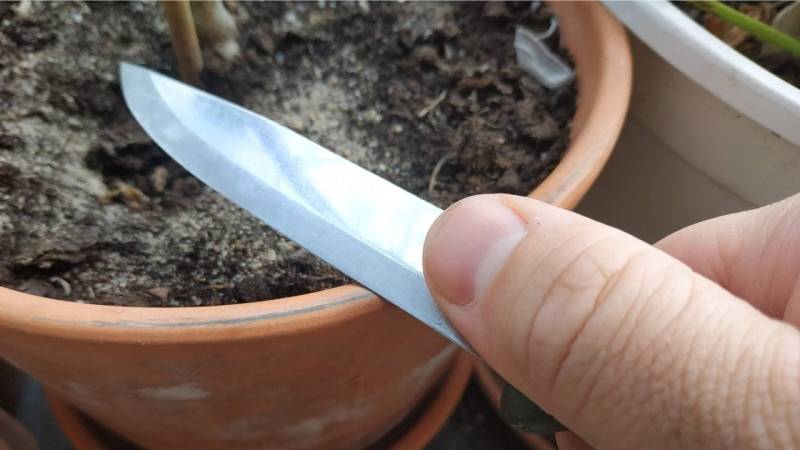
11, 381
333, 369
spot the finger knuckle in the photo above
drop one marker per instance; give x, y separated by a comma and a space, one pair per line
609, 357
586, 299
622, 320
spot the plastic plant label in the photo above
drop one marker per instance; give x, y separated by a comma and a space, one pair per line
536, 59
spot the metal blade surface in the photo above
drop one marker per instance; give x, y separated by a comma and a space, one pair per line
363, 225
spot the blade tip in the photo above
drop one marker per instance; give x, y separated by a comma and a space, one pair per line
126, 70
131, 77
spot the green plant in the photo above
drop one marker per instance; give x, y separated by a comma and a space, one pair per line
755, 27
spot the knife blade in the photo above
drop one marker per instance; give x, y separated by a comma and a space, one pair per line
365, 226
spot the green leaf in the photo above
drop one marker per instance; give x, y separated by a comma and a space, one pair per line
758, 29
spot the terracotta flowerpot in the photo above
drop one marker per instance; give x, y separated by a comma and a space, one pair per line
10, 386
13, 436
412, 434
333, 369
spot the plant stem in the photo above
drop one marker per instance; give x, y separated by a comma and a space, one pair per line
215, 27
184, 40
755, 27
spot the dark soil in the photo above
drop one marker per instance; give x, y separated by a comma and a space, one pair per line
427, 95
783, 64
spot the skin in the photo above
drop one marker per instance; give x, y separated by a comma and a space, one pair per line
689, 344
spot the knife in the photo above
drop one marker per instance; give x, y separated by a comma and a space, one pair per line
365, 226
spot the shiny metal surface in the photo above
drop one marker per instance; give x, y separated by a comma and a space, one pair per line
365, 226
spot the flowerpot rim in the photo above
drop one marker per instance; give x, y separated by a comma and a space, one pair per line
604, 76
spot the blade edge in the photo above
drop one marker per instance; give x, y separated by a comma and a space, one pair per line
161, 128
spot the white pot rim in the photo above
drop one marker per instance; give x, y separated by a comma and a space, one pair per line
720, 69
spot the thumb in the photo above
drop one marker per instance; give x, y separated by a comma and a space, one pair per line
620, 342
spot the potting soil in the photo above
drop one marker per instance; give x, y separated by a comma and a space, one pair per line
427, 95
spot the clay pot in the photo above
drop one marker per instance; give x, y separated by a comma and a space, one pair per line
413, 433
332, 369
10, 386
13, 436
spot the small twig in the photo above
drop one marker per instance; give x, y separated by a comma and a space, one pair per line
436, 169
62, 283
435, 102
129, 195
184, 40
755, 27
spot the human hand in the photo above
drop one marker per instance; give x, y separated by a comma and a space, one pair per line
692, 343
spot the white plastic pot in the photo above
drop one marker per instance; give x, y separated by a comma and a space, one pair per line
714, 65
709, 131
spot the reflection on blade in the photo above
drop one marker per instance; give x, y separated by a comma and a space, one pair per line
363, 225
